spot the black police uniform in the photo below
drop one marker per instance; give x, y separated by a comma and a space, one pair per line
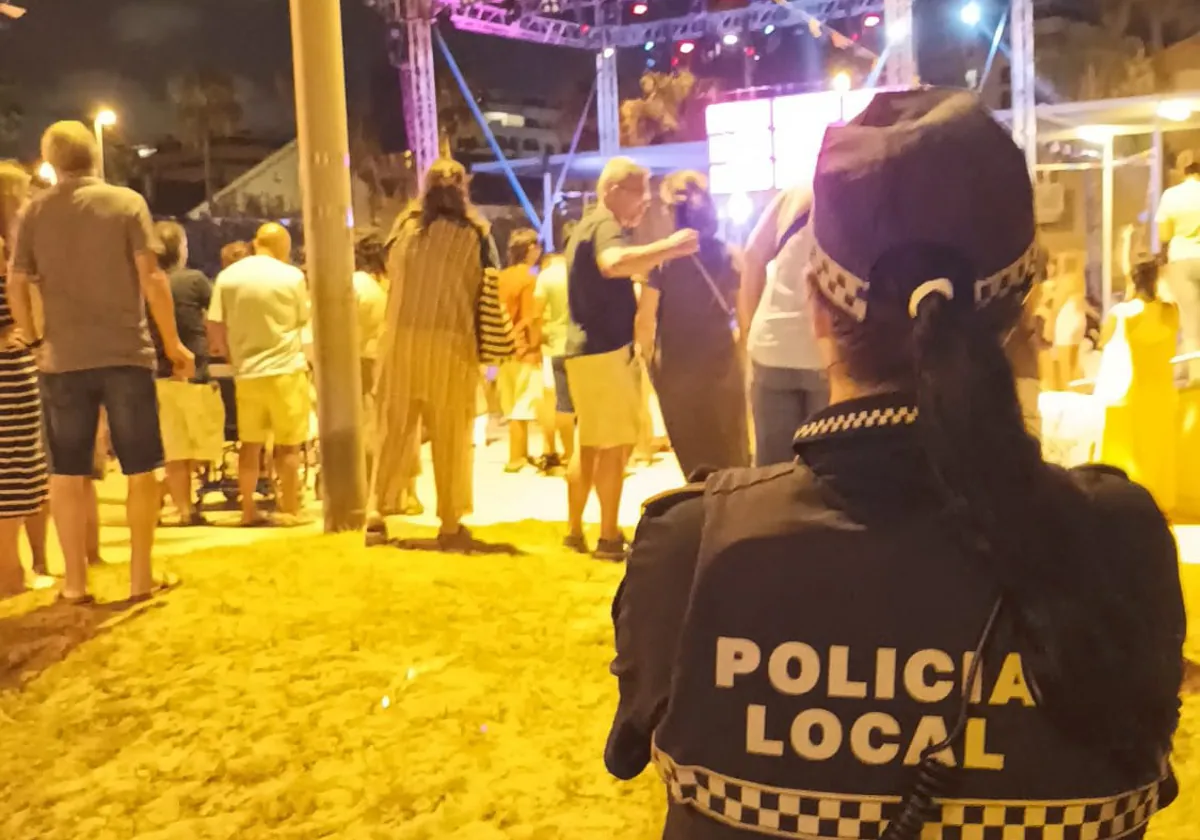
790, 639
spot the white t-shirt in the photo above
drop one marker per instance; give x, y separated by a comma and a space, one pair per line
1181, 205
372, 311
263, 304
551, 290
781, 334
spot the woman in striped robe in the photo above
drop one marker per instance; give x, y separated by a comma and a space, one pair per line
439, 250
23, 478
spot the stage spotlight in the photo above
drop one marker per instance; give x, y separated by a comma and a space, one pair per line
768, 29
640, 9
686, 47
871, 21
971, 14
730, 39
609, 52
739, 208
842, 82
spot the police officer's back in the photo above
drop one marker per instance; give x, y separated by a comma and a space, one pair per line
919, 629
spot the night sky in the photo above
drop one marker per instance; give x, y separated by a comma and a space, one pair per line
68, 56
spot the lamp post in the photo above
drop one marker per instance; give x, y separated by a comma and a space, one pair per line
325, 178
105, 118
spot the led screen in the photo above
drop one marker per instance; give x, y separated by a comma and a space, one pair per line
768, 144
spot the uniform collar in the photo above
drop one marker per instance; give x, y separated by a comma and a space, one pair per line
868, 455
854, 419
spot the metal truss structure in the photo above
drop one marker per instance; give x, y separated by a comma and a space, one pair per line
900, 58
1024, 81
589, 30
598, 26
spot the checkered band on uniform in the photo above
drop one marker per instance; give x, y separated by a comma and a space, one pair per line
807, 815
873, 419
851, 293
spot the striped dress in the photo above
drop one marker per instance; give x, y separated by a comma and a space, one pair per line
429, 363
23, 476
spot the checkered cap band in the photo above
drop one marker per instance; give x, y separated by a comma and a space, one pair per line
850, 293
779, 812
874, 419
846, 291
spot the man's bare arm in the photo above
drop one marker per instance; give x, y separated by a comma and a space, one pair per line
20, 301
218, 339
157, 290
630, 260
760, 250
1166, 232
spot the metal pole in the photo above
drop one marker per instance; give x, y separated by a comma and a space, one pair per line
99, 129
608, 102
1106, 230
1156, 187
901, 69
562, 176
547, 235
325, 178
1024, 97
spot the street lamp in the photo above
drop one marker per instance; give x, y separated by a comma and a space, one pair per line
105, 118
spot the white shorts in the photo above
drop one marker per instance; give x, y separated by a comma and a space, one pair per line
520, 386
606, 389
192, 420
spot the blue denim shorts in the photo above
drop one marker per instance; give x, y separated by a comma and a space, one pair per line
72, 403
562, 394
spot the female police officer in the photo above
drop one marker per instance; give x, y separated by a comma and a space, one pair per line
919, 629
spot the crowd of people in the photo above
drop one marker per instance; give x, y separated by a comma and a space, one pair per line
1019, 671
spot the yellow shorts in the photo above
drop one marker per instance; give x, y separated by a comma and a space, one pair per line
520, 386
192, 420
274, 408
606, 389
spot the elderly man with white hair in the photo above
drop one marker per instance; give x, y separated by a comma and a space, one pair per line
603, 373
90, 249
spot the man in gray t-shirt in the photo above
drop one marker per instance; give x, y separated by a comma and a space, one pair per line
88, 248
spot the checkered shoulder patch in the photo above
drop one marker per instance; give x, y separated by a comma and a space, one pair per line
901, 415
809, 815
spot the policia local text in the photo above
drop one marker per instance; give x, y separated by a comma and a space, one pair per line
927, 676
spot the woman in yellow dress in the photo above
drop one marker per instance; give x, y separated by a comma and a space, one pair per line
1136, 382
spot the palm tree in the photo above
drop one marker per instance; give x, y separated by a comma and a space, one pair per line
389, 177
207, 107
667, 110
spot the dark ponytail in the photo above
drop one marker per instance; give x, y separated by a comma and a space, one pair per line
1027, 523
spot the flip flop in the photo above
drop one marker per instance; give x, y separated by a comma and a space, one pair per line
161, 586
78, 601
376, 534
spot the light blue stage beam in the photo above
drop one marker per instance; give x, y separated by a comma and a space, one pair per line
526, 204
562, 176
996, 39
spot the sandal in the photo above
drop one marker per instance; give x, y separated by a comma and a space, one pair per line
161, 586
85, 600
376, 533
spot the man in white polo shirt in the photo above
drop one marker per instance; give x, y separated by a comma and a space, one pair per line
259, 310
1179, 232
